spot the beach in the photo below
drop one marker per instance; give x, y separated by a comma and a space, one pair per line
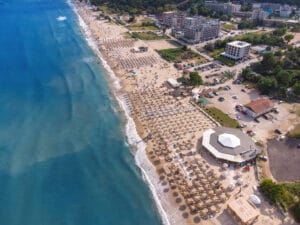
167, 211
163, 128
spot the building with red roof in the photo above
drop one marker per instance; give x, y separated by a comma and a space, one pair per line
259, 107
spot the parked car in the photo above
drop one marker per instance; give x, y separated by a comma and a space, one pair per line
256, 120
239, 108
221, 99
210, 95
263, 158
265, 116
234, 97
238, 81
243, 90
251, 133
277, 131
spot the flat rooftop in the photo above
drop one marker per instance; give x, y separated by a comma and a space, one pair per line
239, 44
243, 210
237, 146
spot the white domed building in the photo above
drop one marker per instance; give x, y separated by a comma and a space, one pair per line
230, 145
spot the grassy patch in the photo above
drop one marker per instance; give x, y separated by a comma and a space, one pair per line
216, 52
296, 109
295, 132
143, 28
286, 195
126, 35
145, 24
222, 118
175, 43
217, 55
148, 36
179, 54
224, 60
228, 26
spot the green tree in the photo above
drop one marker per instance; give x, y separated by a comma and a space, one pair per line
184, 48
280, 31
246, 71
272, 190
194, 10
296, 88
209, 47
195, 78
283, 78
267, 85
288, 37
296, 211
268, 64
131, 19
249, 75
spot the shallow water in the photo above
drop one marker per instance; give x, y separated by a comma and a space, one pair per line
63, 155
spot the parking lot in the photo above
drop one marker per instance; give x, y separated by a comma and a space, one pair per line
207, 67
238, 94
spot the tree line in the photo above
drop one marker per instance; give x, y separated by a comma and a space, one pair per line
138, 6
278, 74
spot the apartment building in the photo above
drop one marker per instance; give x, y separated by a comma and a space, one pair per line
237, 50
197, 29
259, 14
173, 18
227, 8
285, 11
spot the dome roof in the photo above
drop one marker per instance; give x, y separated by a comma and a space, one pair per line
229, 140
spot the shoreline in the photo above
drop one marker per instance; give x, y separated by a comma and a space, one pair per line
148, 172
186, 183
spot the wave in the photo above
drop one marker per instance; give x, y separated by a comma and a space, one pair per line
61, 18
93, 44
141, 158
133, 138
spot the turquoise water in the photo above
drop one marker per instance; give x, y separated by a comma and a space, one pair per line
63, 157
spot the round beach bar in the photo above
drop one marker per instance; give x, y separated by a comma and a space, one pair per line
230, 145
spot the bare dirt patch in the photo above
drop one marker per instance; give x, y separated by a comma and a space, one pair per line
161, 44
284, 159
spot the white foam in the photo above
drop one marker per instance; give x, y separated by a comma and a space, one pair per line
132, 136
141, 159
93, 44
61, 18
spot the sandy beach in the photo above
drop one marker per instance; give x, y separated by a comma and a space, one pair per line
166, 130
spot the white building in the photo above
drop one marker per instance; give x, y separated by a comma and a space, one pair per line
259, 14
173, 18
256, 6
237, 50
227, 8
169, 18
229, 145
174, 83
197, 29
285, 11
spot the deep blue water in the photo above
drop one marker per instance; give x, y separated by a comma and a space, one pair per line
63, 157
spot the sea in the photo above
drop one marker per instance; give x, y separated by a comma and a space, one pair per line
64, 156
